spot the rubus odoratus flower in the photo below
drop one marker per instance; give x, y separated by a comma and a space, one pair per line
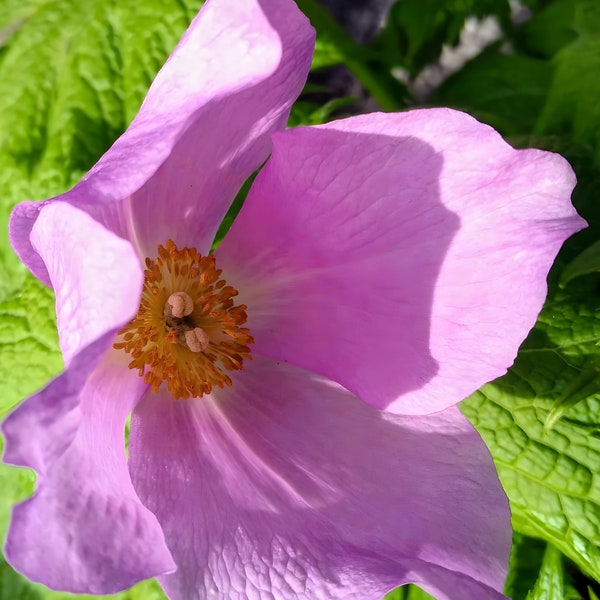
292, 394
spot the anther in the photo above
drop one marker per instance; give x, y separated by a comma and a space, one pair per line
181, 304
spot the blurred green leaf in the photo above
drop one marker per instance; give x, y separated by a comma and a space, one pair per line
15, 587
15, 485
508, 91
550, 476
417, 30
584, 264
385, 89
309, 113
572, 108
548, 31
334, 45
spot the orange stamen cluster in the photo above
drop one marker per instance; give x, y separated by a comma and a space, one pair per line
187, 332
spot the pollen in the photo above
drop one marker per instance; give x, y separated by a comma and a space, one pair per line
188, 332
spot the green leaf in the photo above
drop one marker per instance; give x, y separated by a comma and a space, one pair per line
72, 76
14, 586
15, 485
408, 592
551, 476
572, 107
584, 264
417, 30
549, 585
29, 354
306, 112
549, 30
585, 385
508, 91
525, 563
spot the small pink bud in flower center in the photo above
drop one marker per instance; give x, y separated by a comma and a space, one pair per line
181, 304
196, 339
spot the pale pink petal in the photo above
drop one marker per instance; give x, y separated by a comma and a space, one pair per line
85, 529
203, 128
97, 276
288, 486
402, 255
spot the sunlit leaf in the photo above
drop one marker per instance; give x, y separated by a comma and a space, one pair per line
551, 476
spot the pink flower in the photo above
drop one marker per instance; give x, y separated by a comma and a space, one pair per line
286, 442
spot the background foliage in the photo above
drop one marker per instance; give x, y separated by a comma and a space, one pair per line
72, 76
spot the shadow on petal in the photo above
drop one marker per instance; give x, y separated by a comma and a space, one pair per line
337, 252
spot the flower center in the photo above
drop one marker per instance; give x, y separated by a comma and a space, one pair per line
187, 332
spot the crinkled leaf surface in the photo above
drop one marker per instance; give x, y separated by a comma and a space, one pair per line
72, 76
551, 475
29, 354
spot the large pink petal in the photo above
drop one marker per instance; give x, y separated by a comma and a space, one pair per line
286, 485
96, 275
402, 255
203, 128
85, 529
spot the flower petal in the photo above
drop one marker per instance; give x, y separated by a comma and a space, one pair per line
97, 277
402, 255
203, 128
85, 529
288, 486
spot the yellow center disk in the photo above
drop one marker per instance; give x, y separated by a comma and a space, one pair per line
187, 332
